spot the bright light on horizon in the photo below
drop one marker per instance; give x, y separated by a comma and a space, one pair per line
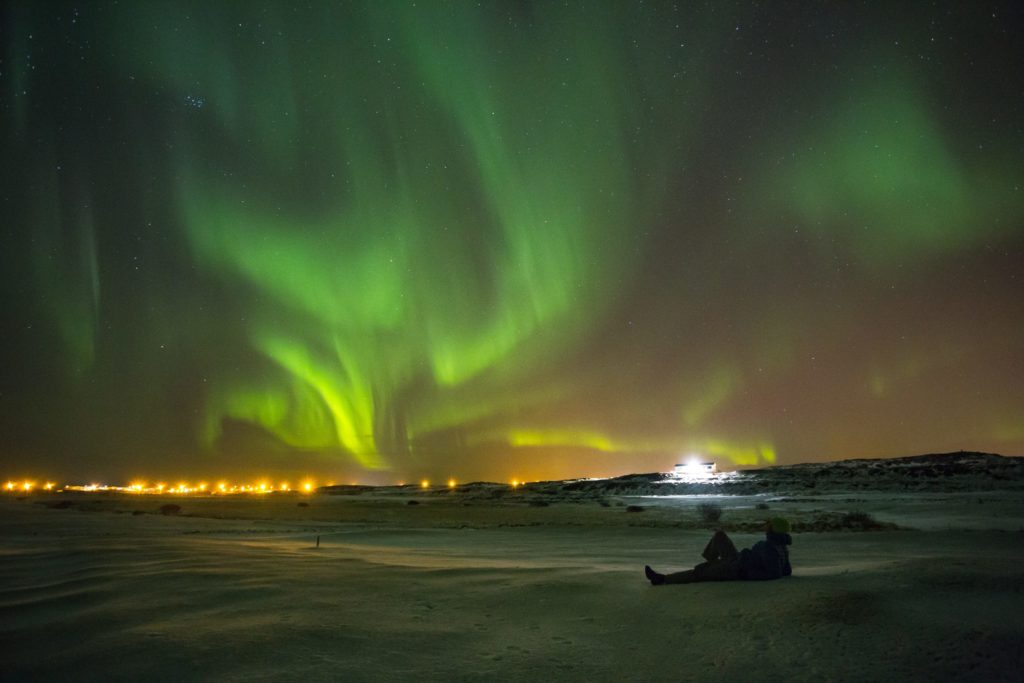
695, 468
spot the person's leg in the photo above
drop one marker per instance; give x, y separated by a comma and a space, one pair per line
688, 576
719, 570
720, 547
721, 565
654, 577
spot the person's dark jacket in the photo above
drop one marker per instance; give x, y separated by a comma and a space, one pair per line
768, 559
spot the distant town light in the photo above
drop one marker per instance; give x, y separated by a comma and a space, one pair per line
140, 486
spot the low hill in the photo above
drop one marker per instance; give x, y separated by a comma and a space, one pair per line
946, 472
959, 471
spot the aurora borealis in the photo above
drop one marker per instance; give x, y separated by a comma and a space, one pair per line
393, 239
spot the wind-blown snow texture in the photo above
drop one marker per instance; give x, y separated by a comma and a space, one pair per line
474, 587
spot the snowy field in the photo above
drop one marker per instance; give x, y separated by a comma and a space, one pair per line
236, 589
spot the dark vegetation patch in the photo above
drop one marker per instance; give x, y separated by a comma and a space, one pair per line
709, 512
843, 521
170, 509
635, 508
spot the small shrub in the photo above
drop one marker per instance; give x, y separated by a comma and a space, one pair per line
604, 503
709, 512
412, 502
762, 506
136, 513
858, 520
635, 508
170, 509
538, 503
303, 505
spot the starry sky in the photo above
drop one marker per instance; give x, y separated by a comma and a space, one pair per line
399, 239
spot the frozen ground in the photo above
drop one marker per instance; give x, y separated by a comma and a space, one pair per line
458, 590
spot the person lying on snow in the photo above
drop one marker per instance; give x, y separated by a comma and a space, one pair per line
768, 559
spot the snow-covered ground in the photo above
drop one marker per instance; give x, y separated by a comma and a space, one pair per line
448, 590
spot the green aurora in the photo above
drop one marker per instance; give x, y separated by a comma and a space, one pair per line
400, 239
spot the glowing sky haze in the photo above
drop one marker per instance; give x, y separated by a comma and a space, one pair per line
398, 239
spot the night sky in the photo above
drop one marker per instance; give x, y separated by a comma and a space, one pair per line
383, 240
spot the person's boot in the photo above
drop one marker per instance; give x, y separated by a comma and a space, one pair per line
654, 577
